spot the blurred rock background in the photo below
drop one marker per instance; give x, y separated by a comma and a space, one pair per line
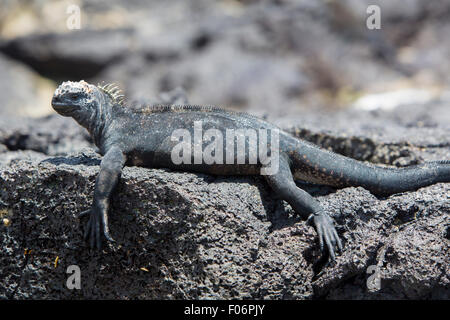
267, 57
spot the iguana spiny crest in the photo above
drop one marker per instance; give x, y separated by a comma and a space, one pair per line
113, 91
71, 94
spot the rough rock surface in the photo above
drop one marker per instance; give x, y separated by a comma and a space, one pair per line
183, 235
197, 236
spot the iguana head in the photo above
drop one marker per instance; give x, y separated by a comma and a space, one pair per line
86, 103
71, 98
75, 98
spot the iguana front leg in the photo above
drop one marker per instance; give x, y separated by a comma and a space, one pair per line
110, 170
304, 204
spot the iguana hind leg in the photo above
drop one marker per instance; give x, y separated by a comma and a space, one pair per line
304, 204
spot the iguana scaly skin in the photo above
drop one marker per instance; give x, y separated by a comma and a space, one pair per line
142, 137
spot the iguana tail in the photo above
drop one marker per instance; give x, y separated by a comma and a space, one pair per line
317, 165
413, 177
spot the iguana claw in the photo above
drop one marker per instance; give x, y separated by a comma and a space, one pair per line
327, 234
96, 225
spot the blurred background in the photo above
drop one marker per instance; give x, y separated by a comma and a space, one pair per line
307, 63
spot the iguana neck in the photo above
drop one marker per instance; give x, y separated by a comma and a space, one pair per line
96, 121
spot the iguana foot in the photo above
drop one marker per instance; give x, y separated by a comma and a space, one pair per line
327, 234
96, 225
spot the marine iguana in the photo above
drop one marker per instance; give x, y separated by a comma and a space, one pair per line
143, 137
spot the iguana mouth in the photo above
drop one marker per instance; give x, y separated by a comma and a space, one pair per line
62, 107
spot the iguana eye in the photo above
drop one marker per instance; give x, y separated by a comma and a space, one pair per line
74, 96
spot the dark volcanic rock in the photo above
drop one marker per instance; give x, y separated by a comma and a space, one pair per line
7, 157
182, 235
77, 54
52, 135
196, 236
403, 237
406, 135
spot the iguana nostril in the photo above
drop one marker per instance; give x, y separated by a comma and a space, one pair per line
56, 99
